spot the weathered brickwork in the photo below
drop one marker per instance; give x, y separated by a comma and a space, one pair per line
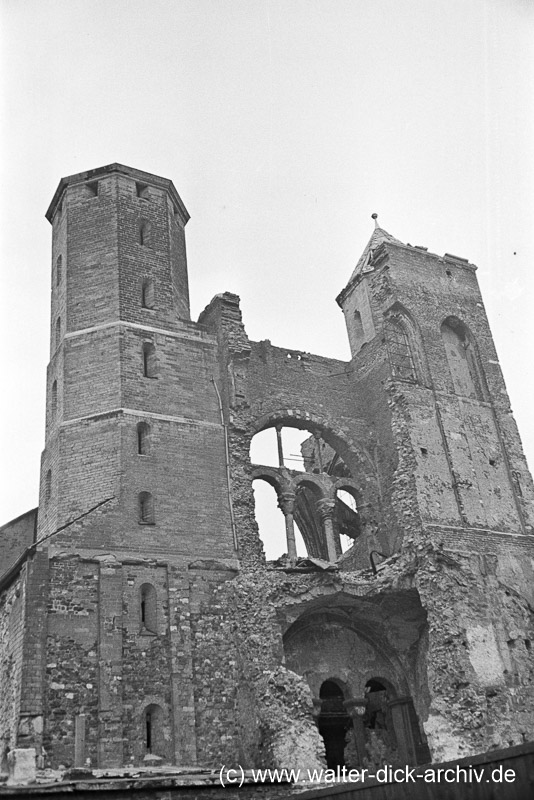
15, 537
11, 645
147, 627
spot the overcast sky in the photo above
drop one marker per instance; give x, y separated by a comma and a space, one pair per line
284, 124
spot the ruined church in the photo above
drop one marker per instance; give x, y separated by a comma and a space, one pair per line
139, 618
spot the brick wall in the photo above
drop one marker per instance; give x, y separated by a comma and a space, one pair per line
15, 537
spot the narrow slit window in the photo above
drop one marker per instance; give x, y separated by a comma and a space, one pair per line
59, 270
358, 325
58, 331
145, 233
153, 724
143, 438
53, 400
148, 731
149, 360
148, 608
48, 485
147, 293
146, 509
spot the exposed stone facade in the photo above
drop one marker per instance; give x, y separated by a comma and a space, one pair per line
143, 620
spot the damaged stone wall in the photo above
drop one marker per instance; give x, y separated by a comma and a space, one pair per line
422, 458
239, 643
170, 638
12, 615
72, 658
268, 385
480, 668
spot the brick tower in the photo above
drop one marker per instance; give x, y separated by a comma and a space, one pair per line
461, 443
130, 387
133, 434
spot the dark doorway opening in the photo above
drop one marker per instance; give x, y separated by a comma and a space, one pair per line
376, 706
334, 723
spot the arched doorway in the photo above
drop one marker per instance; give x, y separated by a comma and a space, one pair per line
333, 723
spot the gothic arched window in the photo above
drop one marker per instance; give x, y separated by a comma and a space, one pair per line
399, 350
462, 359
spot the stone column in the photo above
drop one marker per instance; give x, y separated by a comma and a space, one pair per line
286, 503
402, 727
280, 446
356, 710
326, 510
317, 437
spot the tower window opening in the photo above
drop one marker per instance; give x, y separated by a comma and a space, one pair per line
462, 359
358, 325
148, 608
153, 730
147, 293
148, 728
141, 190
93, 188
143, 434
58, 331
53, 399
149, 361
48, 485
399, 351
145, 231
146, 509
59, 270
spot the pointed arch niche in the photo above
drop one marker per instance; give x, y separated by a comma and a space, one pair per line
305, 497
462, 358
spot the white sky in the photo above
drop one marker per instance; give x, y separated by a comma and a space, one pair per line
284, 124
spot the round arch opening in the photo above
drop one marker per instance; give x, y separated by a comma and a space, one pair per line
333, 722
321, 518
